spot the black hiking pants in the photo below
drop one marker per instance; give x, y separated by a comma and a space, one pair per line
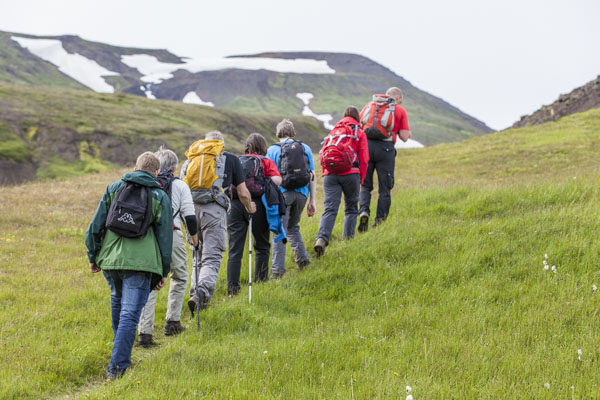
382, 158
237, 227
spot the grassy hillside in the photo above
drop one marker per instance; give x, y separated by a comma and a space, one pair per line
65, 132
449, 296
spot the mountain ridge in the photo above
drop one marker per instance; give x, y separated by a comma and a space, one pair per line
261, 92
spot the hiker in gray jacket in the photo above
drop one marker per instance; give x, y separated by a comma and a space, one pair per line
183, 209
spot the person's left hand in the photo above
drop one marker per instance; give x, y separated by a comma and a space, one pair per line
94, 268
161, 284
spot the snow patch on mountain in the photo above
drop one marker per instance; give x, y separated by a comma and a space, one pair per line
409, 144
306, 111
155, 71
83, 70
193, 98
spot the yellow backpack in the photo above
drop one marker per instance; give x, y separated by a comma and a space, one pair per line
205, 171
202, 170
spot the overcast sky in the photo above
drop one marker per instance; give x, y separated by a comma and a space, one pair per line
495, 60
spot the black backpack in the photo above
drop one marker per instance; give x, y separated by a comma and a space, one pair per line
293, 165
130, 212
165, 180
254, 173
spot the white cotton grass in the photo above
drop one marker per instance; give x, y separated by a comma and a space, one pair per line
408, 389
546, 265
547, 385
594, 288
579, 354
409, 397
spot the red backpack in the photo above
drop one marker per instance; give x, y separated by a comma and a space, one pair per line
337, 154
378, 118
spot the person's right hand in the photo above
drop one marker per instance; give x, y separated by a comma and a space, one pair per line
194, 241
311, 209
252, 208
94, 268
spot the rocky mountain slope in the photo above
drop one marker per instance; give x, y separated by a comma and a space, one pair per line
581, 99
262, 84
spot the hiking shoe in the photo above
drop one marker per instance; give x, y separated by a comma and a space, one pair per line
363, 226
303, 264
192, 303
113, 376
145, 340
276, 275
378, 221
320, 247
173, 328
233, 292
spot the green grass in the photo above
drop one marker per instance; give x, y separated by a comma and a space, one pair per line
56, 122
448, 296
12, 147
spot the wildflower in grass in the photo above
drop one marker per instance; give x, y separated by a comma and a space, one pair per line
594, 288
408, 389
579, 353
397, 374
409, 397
546, 256
547, 385
554, 268
265, 352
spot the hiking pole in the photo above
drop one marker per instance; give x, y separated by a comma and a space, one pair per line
250, 261
197, 294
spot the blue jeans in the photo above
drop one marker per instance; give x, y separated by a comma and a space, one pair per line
129, 292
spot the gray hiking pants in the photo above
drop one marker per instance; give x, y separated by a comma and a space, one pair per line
333, 186
177, 287
212, 234
295, 205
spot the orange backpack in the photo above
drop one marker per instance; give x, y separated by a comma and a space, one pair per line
378, 118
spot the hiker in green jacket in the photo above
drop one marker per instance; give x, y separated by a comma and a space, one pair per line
131, 266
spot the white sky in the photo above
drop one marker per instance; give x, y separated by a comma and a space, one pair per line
495, 60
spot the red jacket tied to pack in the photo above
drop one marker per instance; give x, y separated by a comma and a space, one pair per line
345, 150
377, 117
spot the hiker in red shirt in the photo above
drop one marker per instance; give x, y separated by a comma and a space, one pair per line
257, 168
344, 160
384, 120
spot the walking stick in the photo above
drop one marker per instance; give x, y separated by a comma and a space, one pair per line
197, 294
250, 262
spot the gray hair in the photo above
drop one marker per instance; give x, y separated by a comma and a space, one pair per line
168, 159
148, 162
394, 91
285, 129
214, 135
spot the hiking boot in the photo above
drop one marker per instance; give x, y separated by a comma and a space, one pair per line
303, 264
192, 303
173, 328
233, 292
320, 247
276, 275
113, 376
363, 226
378, 221
145, 340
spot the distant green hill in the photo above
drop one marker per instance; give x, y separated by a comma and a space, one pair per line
50, 132
449, 296
259, 92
